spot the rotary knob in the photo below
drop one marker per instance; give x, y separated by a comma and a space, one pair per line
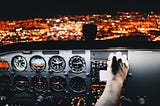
125, 101
141, 101
39, 101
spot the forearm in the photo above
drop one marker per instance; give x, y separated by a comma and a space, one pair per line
116, 73
111, 94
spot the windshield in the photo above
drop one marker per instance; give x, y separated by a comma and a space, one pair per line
53, 22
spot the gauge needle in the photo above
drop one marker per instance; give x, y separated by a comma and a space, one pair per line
60, 102
79, 101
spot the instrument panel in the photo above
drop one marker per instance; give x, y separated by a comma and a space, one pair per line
74, 77
56, 77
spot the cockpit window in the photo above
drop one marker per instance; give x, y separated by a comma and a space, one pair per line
63, 21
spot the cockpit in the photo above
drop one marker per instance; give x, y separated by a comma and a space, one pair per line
57, 62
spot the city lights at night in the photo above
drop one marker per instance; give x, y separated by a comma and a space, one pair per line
32, 21
79, 53
69, 27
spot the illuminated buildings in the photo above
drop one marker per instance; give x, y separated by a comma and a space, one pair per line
70, 27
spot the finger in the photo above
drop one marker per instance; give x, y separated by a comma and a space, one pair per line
120, 60
115, 65
124, 57
114, 59
126, 63
118, 54
124, 70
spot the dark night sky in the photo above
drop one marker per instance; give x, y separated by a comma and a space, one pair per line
47, 8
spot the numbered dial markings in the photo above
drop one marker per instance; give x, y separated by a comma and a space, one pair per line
78, 84
58, 83
21, 83
77, 64
57, 63
39, 83
78, 101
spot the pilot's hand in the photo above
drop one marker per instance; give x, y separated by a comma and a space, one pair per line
116, 74
117, 69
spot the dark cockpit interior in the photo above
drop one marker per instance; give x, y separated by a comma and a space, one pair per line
53, 72
72, 73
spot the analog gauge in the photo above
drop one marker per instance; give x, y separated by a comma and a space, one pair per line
39, 83
77, 64
57, 64
78, 84
78, 101
5, 82
19, 63
60, 101
58, 83
21, 83
37, 63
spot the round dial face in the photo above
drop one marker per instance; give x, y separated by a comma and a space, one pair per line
60, 101
37, 63
57, 63
77, 64
21, 83
58, 83
78, 84
78, 101
39, 83
19, 63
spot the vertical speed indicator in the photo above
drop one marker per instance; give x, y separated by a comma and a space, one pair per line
78, 84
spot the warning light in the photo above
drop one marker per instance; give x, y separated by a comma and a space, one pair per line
4, 64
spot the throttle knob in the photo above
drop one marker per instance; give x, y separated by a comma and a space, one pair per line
39, 101
141, 101
126, 101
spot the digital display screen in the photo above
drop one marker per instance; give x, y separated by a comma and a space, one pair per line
102, 75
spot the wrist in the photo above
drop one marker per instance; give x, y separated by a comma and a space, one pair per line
115, 81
